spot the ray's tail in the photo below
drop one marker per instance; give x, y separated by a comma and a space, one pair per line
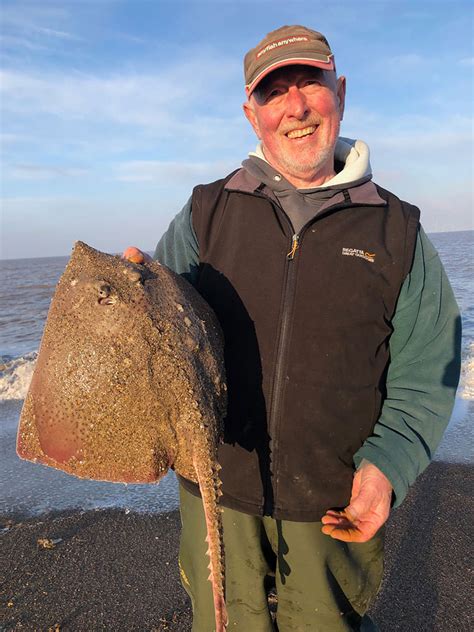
209, 485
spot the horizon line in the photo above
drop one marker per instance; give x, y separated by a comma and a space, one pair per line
150, 252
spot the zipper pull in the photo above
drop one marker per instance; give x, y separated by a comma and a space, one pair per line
294, 248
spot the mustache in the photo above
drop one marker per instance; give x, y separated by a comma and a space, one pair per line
301, 125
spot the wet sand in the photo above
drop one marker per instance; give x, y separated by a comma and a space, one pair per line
31, 489
117, 571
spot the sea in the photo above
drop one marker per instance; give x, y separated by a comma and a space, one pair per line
28, 489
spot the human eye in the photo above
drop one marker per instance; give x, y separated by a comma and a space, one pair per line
311, 83
273, 93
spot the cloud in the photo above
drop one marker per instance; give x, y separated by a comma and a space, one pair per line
136, 99
426, 159
30, 34
466, 61
406, 67
7, 138
431, 139
35, 19
170, 173
54, 33
407, 60
411, 133
127, 37
124, 99
14, 41
142, 111
41, 172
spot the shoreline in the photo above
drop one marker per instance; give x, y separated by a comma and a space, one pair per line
30, 489
117, 571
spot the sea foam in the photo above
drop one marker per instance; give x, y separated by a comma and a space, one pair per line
15, 376
16, 373
466, 384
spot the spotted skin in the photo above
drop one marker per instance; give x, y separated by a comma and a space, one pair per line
129, 382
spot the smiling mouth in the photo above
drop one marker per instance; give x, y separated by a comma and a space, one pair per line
300, 133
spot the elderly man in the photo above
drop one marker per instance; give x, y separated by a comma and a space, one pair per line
342, 352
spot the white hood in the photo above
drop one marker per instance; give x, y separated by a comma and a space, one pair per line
354, 154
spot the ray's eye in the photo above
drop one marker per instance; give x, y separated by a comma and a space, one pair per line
105, 295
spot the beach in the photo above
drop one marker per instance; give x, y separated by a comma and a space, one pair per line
116, 569
112, 565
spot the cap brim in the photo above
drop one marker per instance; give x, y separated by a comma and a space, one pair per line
292, 61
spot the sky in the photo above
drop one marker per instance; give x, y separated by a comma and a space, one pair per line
113, 110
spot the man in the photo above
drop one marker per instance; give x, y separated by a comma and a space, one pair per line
342, 352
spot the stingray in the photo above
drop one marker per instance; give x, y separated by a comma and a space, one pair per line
130, 382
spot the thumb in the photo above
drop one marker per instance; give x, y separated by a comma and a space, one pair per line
360, 503
135, 255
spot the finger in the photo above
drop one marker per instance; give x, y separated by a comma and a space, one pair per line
332, 522
339, 522
340, 517
334, 512
345, 534
333, 519
351, 530
135, 255
331, 515
344, 531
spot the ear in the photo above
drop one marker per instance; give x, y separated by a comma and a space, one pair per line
341, 95
251, 117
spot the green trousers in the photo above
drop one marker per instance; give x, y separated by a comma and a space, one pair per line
322, 584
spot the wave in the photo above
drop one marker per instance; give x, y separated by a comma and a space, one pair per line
16, 373
466, 383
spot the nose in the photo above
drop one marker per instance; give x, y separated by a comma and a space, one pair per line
296, 103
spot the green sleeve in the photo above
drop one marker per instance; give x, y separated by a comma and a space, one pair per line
423, 374
178, 248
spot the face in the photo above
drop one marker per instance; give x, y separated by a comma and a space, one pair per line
296, 112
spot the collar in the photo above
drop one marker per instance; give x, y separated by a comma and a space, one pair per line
363, 194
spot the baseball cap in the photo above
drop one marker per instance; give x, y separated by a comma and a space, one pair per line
286, 46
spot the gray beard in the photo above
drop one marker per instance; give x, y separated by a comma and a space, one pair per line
295, 167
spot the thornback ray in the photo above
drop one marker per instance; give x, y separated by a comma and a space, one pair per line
129, 382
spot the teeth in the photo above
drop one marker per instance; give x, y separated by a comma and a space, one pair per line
299, 133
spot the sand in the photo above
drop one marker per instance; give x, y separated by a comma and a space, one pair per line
107, 571
117, 571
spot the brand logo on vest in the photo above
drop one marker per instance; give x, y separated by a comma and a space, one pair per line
355, 252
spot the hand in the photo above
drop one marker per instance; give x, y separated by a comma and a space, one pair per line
367, 511
135, 255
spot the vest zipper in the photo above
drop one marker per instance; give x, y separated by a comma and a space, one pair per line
271, 490
277, 391
294, 247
